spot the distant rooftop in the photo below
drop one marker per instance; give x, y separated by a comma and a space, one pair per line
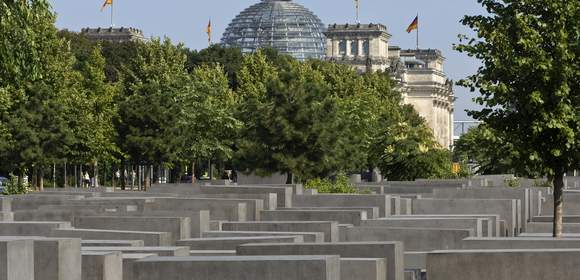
357, 26
121, 34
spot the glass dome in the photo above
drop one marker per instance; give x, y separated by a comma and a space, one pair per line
282, 24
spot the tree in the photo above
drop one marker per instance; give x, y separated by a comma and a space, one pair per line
35, 75
529, 82
149, 111
208, 122
229, 58
410, 152
94, 110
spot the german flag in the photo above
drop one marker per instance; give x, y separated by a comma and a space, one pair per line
414, 25
107, 2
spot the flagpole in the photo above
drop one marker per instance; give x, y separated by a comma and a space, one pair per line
418, 26
357, 11
112, 11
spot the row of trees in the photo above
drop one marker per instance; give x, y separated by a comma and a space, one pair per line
66, 100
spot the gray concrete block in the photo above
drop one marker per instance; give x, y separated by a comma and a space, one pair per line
309, 237
219, 208
102, 266
392, 251
475, 224
372, 212
166, 251
230, 243
270, 200
341, 216
415, 239
201, 253
149, 238
129, 260
112, 243
235, 268
506, 208
199, 220
330, 229
31, 228
65, 215
363, 269
540, 264
16, 259
521, 243
383, 202
5, 204
283, 193
548, 227
179, 227
57, 259
6, 216
34, 201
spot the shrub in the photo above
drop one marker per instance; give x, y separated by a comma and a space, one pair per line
12, 186
340, 185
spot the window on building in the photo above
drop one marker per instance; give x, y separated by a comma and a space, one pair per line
354, 48
342, 47
366, 50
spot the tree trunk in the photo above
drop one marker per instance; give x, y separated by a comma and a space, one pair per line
193, 172
558, 203
156, 175
132, 177
65, 183
123, 182
96, 174
139, 177
289, 178
34, 178
147, 177
40, 179
81, 177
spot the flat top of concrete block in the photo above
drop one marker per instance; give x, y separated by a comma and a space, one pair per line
99, 253
40, 238
532, 238
494, 251
238, 258
238, 238
361, 259
264, 233
87, 241
168, 248
542, 234
411, 218
414, 228
445, 215
104, 230
36, 223
314, 211
137, 256
213, 251
369, 243
283, 222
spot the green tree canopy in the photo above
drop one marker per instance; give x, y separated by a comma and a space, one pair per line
530, 81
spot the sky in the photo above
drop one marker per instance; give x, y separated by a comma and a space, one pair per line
185, 21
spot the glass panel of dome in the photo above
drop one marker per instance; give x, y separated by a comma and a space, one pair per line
281, 22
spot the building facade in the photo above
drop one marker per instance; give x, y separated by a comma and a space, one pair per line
419, 73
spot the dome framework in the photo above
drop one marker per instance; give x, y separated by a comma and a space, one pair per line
281, 24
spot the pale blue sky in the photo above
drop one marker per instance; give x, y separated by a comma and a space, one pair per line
185, 21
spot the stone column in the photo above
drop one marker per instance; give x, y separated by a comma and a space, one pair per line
348, 47
360, 47
335, 48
